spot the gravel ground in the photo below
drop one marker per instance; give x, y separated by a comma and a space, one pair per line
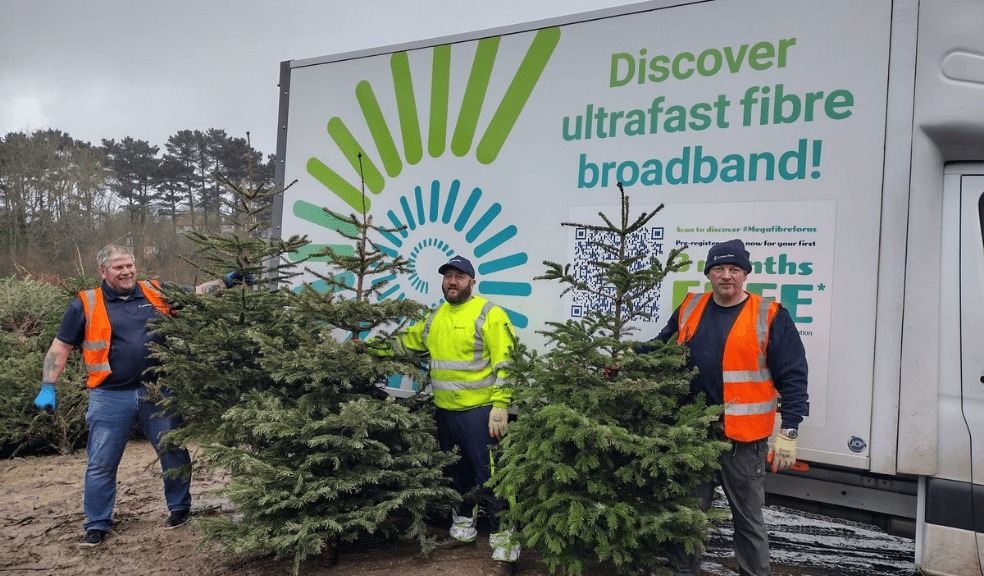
804, 543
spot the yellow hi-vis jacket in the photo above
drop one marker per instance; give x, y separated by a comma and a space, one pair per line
469, 346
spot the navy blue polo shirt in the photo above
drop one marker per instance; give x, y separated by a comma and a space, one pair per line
128, 354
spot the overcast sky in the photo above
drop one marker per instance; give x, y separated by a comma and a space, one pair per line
148, 68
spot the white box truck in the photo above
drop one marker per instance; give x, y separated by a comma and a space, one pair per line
843, 141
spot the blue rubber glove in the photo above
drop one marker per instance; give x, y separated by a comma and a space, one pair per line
236, 277
46, 399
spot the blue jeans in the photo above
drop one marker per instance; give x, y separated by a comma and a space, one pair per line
110, 418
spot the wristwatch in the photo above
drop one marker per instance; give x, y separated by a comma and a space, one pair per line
791, 433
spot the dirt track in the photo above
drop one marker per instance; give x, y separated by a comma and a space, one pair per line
41, 521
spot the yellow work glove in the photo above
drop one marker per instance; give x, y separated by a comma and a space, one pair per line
498, 420
784, 452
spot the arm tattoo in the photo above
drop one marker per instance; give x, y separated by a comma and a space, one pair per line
51, 369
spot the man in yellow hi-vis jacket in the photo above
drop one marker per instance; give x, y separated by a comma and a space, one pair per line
468, 340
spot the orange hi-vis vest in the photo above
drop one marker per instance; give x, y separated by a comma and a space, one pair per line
749, 393
98, 332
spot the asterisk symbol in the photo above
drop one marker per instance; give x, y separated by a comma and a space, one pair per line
821, 287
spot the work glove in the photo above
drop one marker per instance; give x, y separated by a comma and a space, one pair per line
498, 420
784, 452
47, 398
236, 277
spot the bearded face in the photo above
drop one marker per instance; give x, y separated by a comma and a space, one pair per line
457, 286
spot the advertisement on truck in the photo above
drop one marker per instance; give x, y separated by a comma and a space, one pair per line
759, 127
842, 141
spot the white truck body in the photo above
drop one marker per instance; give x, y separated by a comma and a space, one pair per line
837, 139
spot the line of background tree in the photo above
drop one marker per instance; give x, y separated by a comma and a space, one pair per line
62, 199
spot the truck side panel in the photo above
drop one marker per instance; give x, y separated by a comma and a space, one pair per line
756, 119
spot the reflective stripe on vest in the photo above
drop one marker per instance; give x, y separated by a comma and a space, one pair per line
95, 346
460, 385
479, 323
462, 374
427, 327
471, 365
478, 363
99, 332
749, 393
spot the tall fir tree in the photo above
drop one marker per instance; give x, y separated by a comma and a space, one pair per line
279, 396
609, 444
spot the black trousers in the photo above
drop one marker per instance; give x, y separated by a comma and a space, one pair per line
469, 431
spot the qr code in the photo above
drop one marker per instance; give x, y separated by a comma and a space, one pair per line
587, 248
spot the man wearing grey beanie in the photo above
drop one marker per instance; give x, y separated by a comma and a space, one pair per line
748, 354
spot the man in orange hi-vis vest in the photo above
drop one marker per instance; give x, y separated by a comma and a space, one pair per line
109, 324
749, 356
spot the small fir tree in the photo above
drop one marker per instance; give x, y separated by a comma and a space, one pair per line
30, 314
609, 445
210, 358
319, 454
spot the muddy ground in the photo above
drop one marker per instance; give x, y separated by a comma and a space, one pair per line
41, 521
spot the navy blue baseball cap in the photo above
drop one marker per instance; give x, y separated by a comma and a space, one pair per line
458, 263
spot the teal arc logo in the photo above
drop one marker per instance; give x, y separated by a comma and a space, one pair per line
461, 222
444, 216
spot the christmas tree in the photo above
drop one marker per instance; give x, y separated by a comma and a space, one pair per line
318, 453
211, 354
609, 445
